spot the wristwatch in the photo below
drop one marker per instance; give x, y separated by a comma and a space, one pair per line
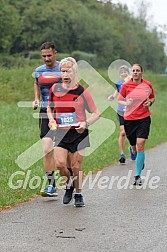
151, 103
87, 125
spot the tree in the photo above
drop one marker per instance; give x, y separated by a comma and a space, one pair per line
9, 25
99, 28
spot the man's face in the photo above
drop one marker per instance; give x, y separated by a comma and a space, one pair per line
67, 72
49, 57
136, 73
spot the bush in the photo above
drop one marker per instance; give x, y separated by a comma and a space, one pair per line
34, 58
9, 61
89, 57
62, 56
34, 54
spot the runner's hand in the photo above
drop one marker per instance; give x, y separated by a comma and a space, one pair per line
52, 124
81, 127
146, 104
129, 102
111, 98
35, 104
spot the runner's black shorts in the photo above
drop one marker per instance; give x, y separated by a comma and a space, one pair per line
43, 125
137, 129
71, 140
120, 117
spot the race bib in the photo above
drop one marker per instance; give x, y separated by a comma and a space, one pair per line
67, 119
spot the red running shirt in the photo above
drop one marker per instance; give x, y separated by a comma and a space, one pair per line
139, 93
76, 100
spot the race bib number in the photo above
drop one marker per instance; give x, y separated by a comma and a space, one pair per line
67, 119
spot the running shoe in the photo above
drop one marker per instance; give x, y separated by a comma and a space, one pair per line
78, 200
49, 191
122, 159
143, 166
68, 195
137, 181
132, 155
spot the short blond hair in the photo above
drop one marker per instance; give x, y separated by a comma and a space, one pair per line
67, 60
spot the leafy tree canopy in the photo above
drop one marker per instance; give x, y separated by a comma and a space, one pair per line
101, 28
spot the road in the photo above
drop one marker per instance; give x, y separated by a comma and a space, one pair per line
117, 217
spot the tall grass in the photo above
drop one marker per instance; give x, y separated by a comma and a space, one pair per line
19, 131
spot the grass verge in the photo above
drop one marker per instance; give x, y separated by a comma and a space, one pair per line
19, 131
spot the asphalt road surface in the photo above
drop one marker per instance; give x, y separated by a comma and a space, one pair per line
117, 217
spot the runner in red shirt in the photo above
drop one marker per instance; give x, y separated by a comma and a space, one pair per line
139, 96
68, 103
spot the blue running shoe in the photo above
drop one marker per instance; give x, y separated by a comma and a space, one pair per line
49, 191
132, 155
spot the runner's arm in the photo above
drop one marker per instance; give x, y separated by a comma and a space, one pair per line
93, 117
36, 96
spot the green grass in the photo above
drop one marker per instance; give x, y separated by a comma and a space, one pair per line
16, 136
19, 131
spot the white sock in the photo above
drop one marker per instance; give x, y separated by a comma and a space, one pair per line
68, 185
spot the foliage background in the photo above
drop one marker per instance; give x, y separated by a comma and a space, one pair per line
100, 32
89, 30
